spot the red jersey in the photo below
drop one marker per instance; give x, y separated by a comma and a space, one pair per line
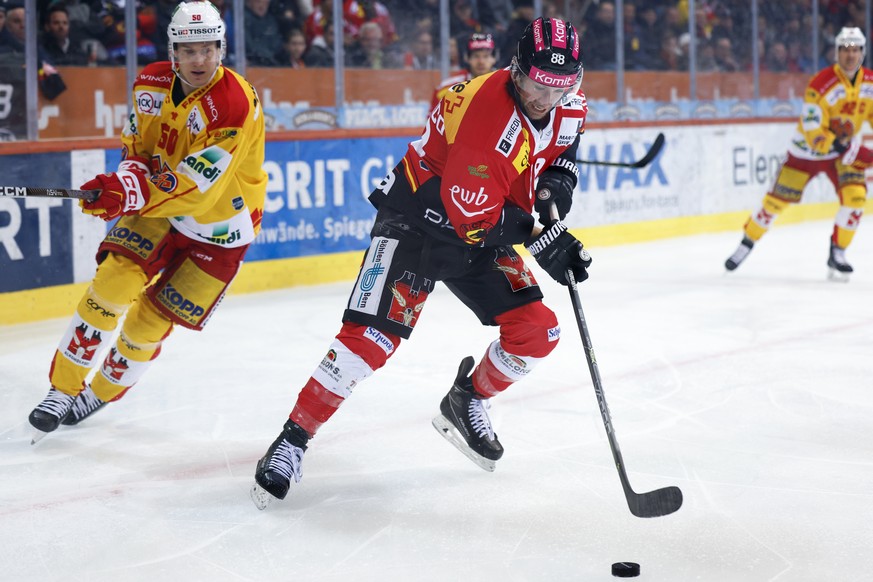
487, 152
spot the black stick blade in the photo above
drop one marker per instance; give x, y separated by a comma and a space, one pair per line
655, 503
652, 153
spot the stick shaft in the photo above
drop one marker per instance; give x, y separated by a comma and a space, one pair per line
28, 192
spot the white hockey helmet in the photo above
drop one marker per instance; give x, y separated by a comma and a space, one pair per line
197, 21
850, 36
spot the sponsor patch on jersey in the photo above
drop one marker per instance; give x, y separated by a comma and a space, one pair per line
195, 123
371, 280
469, 202
165, 181
238, 203
480, 171
376, 336
130, 128
522, 160
835, 96
509, 135
224, 133
149, 102
567, 132
206, 166
211, 108
810, 117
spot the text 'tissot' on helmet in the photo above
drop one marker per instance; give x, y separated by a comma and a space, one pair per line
548, 52
197, 21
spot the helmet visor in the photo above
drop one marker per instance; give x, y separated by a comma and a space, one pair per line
198, 52
548, 93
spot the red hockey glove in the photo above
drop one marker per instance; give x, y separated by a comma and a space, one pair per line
556, 250
123, 192
857, 155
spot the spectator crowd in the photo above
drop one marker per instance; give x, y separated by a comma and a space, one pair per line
403, 34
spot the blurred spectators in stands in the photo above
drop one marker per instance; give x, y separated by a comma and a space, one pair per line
776, 60
521, 17
632, 56
2, 16
12, 39
495, 15
724, 55
112, 34
672, 58
12, 34
461, 21
598, 43
319, 53
649, 36
263, 40
56, 42
367, 50
706, 62
420, 54
293, 47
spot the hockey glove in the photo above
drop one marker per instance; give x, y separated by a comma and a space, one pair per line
554, 186
857, 155
556, 250
123, 192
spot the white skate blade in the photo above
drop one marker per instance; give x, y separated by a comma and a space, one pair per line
260, 497
38, 435
451, 434
838, 276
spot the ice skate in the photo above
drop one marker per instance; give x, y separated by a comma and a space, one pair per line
49, 413
84, 406
740, 254
464, 421
838, 268
279, 466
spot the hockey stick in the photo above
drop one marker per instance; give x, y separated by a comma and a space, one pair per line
27, 192
654, 503
644, 161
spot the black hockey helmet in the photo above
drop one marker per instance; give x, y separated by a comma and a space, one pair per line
549, 53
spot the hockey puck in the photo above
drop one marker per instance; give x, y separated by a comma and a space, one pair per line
626, 569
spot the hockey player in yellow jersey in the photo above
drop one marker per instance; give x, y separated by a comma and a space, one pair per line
838, 100
189, 197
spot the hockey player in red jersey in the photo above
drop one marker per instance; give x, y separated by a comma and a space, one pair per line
498, 148
837, 102
480, 56
189, 192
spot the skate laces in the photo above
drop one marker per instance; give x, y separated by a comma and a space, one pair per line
86, 403
286, 460
839, 255
56, 403
477, 411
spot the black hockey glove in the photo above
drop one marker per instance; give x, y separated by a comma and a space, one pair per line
556, 250
555, 185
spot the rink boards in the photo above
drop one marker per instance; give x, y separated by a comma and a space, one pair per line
317, 217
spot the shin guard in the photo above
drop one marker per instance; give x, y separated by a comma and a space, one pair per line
138, 344
84, 342
353, 356
527, 335
759, 222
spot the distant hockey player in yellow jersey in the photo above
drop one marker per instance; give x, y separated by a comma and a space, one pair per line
189, 194
838, 100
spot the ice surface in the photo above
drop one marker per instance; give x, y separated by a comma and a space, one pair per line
751, 390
